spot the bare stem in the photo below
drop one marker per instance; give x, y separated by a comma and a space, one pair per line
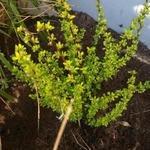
38, 103
7, 105
63, 125
0, 143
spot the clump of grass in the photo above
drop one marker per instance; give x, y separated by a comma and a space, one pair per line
3, 79
4, 82
10, 16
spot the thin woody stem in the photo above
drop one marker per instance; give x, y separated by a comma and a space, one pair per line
63, 126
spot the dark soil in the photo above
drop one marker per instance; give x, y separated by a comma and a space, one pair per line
130, 132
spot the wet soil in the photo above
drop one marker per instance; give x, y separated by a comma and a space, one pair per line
130, 132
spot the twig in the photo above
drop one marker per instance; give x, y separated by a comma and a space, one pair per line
41, 13
63, 125
26, 17
0, 143
146, 111
38, 103
78, 142
33, 8
136, 146
84, 142
7, 105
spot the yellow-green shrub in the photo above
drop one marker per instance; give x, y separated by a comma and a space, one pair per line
79, 76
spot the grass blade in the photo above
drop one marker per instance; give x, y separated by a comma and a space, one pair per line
5, 62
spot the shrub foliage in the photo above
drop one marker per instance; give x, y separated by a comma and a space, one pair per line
68, 73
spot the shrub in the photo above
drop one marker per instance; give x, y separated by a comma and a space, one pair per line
69, 74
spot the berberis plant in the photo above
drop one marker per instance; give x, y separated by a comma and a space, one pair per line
64, 73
